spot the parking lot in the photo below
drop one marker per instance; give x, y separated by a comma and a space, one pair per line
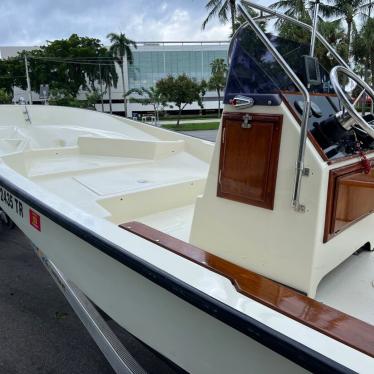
39, 332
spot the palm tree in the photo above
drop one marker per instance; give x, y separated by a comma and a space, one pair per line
217, 80
223, 9
363, 48
334, 33
110, 78
121, 49
150, 96
293, 8
346, 10
297, 9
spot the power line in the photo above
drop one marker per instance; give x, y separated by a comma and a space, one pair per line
78, 62
76, 58
12, 77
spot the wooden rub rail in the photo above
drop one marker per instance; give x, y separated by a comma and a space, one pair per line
331, 322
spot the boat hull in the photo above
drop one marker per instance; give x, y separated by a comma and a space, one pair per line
195, 331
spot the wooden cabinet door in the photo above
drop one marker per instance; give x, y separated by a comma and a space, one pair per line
350, 198
249, 158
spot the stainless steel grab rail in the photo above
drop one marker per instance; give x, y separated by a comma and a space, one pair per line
300, 170
25, 110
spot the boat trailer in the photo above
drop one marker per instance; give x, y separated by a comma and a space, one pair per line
118, 356
112, 348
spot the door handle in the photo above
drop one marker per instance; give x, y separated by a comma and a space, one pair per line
242, 102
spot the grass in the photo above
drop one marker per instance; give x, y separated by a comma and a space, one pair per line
193, 126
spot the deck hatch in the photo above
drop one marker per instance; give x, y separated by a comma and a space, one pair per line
249, 159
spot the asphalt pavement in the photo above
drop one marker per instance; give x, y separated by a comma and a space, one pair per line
210, 135
39, 332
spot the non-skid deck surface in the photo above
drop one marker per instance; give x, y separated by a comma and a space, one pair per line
98, 184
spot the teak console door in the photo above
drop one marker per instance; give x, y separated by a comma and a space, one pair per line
350, 198
249, 156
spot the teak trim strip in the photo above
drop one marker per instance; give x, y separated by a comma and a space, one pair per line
329, 321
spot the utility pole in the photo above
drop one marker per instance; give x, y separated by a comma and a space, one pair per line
28, 81
101, 90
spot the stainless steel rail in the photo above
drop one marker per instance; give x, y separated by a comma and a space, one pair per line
315, 27
25, 110
300, 169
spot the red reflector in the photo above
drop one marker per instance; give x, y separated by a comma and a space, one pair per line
35, 220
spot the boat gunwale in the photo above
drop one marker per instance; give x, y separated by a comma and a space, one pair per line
289, 348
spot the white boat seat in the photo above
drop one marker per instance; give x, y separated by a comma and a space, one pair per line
147, 149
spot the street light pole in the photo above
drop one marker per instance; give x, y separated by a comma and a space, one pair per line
28, 81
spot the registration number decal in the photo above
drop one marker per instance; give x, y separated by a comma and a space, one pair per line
11, 201
35, 220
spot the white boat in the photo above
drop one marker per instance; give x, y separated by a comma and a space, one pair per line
212, 254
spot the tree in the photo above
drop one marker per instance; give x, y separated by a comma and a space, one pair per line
363, 48
109, 76
67, 65
5, 97
181, 91
151, 96
331, 30
296, 9
91, 100
12, 73
121, 49
293, 8
217, 80
347, 10
223, 9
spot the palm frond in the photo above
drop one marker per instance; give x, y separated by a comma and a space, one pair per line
213, 7
222, 14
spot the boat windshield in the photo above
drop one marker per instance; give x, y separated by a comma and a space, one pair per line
253, 69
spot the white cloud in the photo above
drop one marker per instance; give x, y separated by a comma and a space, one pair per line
164, 6
179, 25
141, 20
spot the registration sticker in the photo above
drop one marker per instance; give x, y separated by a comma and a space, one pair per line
35, 220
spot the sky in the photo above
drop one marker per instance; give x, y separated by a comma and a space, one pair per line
32, 22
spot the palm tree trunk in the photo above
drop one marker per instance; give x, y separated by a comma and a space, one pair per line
155, 111
101, 90
233, 15
219, 103
123, 87
110, 97
349, 38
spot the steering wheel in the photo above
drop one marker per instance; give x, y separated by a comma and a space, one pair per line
357, 118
